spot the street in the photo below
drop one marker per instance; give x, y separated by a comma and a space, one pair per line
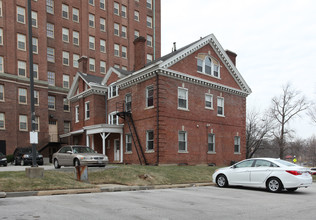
182, 203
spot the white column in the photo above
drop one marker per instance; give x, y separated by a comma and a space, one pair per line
103, 144
121, 151
92, 141
87, 140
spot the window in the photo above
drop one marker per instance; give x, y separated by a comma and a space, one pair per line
136, 34
243, 164
116, 29
50, 6
36, 97
34, 19
116, 8
123, 12
77, 113
75, 59
51, 102
149, 96
91, 2
220, 106
149, 41
128, 102
0, 8
87, 110
102, 67
92, 64
50, 54
20, 12
136, 15
66, 35
65, 58
35, 45
21, 42
124, 32
65, 11
208, 101
51, 78
1, 36
50, 30
102, 24
102, 46
1, 65
75, 38
182, 137
236, 144
22, 122
124, 52
149, 58
91, 20
66, 127
116, 50
22, 96
22, 68
91, 43
208, 65
35, 71
36, 123
113, 118
102, 4
75, 14
113, 91
1, 92
149, 4
182, 98
149, 22
128, 143
211, 143
66, 81
2, 121
124, 68
149, 140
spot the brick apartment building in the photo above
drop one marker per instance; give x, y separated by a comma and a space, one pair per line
188, 107
103, 31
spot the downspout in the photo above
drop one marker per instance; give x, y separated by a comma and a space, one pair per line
154, 18
157, 97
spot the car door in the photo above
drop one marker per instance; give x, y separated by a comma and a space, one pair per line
260, 172
68, 156
240, 173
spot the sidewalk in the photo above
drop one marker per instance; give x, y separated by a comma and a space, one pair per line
100, 188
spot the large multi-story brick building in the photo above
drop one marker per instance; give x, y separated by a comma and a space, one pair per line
63, 31
188, 107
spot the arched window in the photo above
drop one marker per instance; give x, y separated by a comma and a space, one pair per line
208, 65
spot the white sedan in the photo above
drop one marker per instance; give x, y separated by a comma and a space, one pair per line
272, 174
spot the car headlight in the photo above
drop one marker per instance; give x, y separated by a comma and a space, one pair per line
4, 159
26, 156
40, 155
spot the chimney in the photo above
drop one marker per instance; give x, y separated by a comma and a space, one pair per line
83, 64
232, 56
139, 53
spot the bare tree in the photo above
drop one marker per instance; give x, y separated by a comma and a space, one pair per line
257, 130
284, 108
312, 113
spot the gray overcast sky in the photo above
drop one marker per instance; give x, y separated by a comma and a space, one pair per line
275, 42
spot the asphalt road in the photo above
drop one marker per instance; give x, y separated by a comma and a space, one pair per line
183, 203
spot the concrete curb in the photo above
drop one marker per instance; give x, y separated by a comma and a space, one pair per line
101, 188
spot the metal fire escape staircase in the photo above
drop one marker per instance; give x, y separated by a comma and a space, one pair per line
123, 112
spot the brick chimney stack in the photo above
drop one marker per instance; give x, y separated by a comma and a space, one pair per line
83, 64
232, 56
139, 53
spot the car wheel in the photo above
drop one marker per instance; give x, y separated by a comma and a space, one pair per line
22, 162
274, 185
76, 162
221, 181
56, 164
291, 189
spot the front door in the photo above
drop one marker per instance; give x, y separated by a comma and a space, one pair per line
117, 150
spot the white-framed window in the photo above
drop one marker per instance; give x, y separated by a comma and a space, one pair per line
50, 30
124, 32
209, 66
50, 6
91, 2
136, 34
66, 127
22, 68
91, 43
65, 35
149, 22
113, 91
37, 123
136, 15
2, 121
220, 106
34, 19
51, 78
182, 139
116, 50
35, 45
149, 58
22, 122
50, 54
124, 52
237, 144
128, 102
92, 64
22, 96
75, 58
102, 4
77, 113
75, 38
116, 8
211, 143
66, 105
102, 67
35, 71
182, 98
66, 81
124, 68
149, 41
149, 140
209, 101
21, 42
36, 98
1, 65
87, 110
149, 4
65, 11
102, 46
149, 96
113, 119
65, 58
102, 24
51, 102
1, 92
91, 20
123, 11
116, 29
128, 138
75, 15
1, 36
20, 14
0, 8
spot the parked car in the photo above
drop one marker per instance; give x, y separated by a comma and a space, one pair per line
272, 174
24, 156
3, 160
76, 155
313, 170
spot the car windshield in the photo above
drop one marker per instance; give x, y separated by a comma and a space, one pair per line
26, 150
77, 150
286, 163
1, 154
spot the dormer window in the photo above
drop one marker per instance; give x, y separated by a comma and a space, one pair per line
208, 65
